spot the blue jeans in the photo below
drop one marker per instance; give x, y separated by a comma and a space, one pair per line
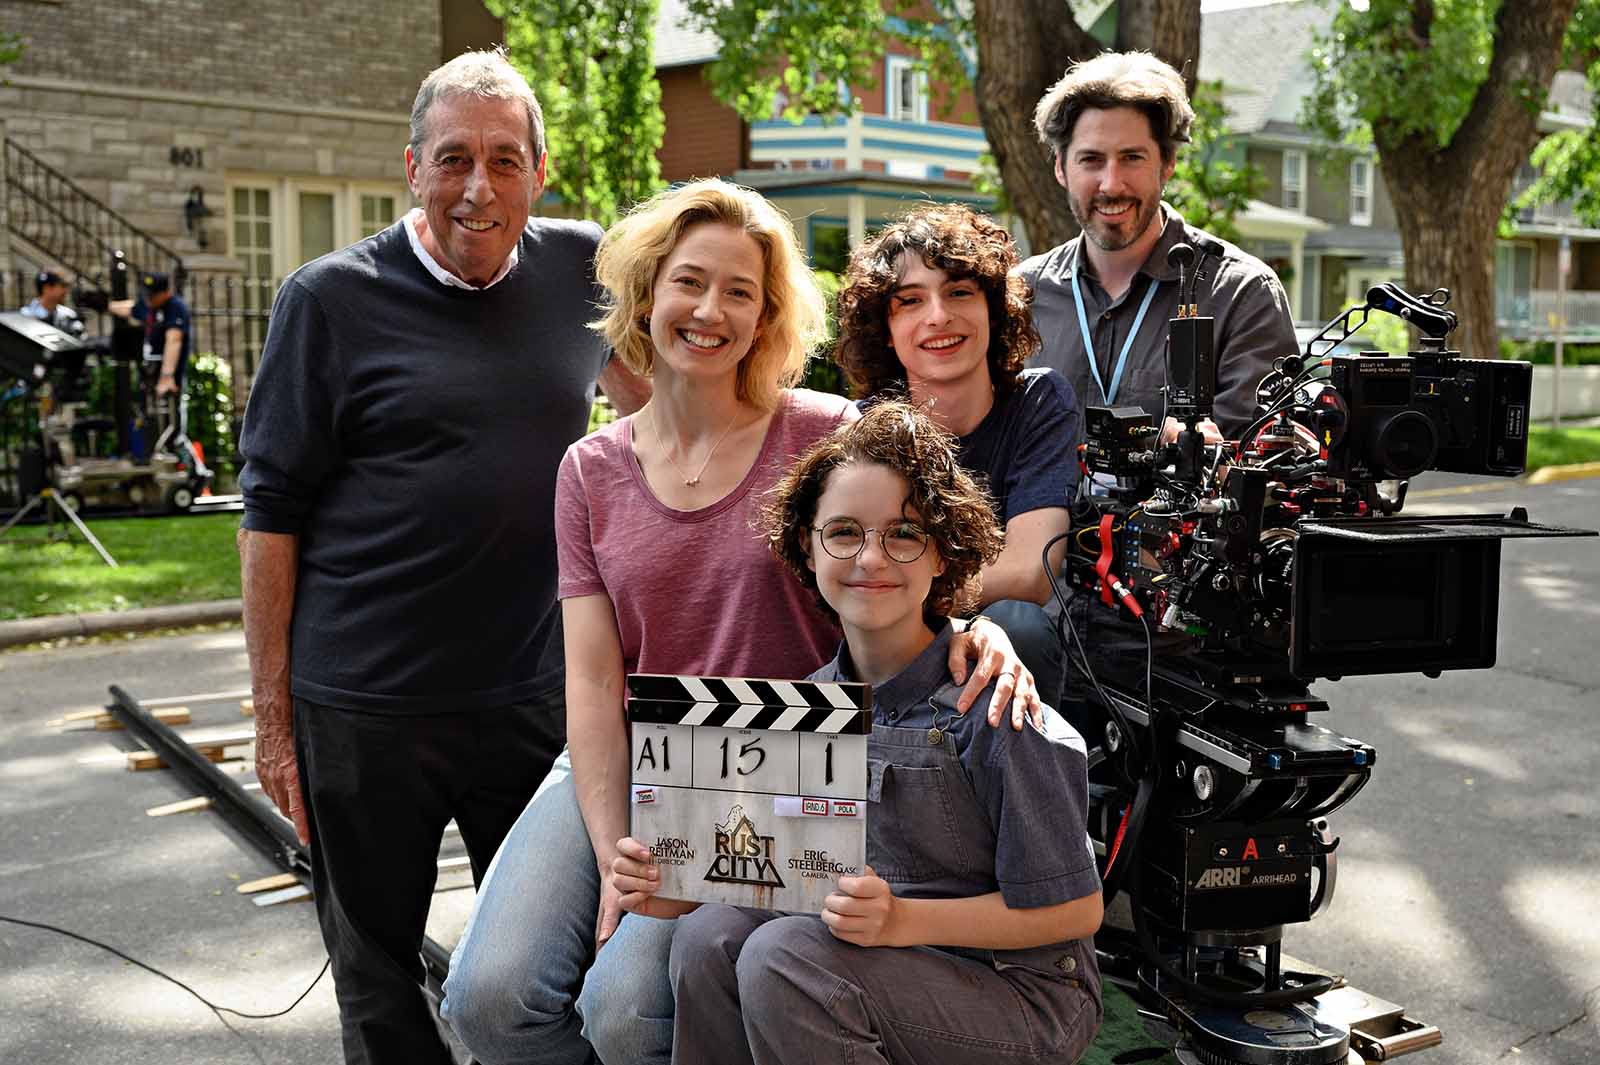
518, 991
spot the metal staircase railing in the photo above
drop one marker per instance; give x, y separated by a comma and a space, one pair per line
59, 217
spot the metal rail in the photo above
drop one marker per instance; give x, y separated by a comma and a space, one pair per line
265, 830
48, 209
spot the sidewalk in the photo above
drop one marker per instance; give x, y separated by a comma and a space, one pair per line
60, 626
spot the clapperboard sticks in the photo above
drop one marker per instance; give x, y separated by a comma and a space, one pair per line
735, 702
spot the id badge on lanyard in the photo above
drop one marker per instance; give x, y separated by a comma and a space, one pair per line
1109, 395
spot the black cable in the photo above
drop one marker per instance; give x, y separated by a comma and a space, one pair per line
1082, 663
212, 1006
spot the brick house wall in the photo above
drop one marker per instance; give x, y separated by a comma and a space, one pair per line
332, 53
703, 137
142, 103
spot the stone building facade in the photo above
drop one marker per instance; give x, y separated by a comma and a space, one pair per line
286, 121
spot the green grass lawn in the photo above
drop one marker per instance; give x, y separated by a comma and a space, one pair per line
161, 560
1546, 447
192, 559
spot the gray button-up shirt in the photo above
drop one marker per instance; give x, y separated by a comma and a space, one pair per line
1252, 327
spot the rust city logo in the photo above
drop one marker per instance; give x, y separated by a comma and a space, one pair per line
742, 856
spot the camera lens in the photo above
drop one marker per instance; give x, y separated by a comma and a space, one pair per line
1405, 444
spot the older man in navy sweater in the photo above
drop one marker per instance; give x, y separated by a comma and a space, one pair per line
415, 397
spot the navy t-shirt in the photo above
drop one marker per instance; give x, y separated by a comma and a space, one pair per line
173, 314
1025, 451
1026, 447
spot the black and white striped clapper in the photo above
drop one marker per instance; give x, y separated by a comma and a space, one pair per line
736, 702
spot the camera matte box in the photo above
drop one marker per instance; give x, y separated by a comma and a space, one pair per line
1401, 594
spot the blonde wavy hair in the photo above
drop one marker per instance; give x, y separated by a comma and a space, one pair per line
794, 316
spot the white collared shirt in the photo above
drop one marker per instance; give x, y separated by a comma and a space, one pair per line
440, 274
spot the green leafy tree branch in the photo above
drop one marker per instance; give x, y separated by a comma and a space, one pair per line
592, 65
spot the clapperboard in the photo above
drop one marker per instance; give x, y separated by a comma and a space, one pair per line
750, 792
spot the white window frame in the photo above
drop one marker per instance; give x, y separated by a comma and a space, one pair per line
1294, 191
358, 190
1362, 190
895, 66
284, 197
274, 220
343, 227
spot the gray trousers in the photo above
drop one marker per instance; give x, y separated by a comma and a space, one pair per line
756, 987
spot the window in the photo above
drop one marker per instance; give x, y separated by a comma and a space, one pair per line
1361, 192
275, 224
1294, 180
250, 237
1513, 284
318, 231
377, 212
907, 90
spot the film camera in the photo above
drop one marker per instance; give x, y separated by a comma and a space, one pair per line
1221, 580
54, 370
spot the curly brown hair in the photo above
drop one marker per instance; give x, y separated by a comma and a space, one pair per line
952, 507
1117, 79
949, 237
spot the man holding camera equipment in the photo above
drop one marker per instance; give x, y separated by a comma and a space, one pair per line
415, 396
49, 304
1102, 299
168, 331
168, 334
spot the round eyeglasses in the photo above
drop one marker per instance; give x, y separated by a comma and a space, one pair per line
843, 538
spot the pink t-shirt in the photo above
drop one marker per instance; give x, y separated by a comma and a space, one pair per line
695, 591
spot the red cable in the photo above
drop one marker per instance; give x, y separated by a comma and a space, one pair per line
1109, 584
1116, 844
1102, 565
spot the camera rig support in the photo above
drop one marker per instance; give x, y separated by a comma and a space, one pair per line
1224, 578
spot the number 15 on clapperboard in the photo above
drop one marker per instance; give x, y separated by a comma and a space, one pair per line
750, 792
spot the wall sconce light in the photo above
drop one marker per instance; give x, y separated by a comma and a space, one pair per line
195, 213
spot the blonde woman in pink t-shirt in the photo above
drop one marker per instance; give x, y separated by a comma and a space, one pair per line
662, 571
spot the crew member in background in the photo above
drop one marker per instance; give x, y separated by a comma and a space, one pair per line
168, 331
1102, 300
167, 334
49, 304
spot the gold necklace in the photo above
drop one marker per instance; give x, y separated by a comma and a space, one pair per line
690, 482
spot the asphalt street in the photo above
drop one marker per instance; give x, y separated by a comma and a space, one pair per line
78, 851
1469, 877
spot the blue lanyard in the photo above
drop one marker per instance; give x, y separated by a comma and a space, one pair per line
1127, 345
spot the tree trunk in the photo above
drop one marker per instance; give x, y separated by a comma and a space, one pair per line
1024, 46
1448, 201
1448, 221
1169, 28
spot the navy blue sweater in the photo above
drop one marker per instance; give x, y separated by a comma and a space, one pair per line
409, 434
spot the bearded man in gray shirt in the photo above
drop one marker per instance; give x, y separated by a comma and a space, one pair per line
1102, 299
